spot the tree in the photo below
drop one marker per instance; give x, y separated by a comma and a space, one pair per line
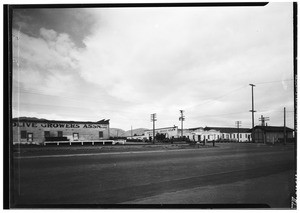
160, 136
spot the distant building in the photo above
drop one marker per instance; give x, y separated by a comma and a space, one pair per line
169, 132
271, 134
207, 133
136, 137
201, 134
38, 131
232, 134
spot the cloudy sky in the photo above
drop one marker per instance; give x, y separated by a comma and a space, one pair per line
124, 64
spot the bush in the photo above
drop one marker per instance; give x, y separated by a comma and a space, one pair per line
134, 140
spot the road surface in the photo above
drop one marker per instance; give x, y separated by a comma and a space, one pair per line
228, 173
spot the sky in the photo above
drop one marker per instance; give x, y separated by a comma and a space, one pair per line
124, 64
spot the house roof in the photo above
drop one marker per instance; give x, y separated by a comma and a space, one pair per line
229, 129
42, 120
171, 127
195, 128
273, 128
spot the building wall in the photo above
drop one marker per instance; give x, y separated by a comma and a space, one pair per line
270, 137
169, 132
200, 134
139, 137
210, 135
244, 137
86, 131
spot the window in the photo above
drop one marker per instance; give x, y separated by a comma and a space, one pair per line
75, 136
47, 134
100, 134
59, 134
240, 135
23, 134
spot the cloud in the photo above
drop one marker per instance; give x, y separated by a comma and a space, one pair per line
141, 53
133, 62
76, 22
41, 59
47, 69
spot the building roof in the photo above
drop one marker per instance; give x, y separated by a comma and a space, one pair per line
151, 130
195, 128
229, 129
42, 120
273, 128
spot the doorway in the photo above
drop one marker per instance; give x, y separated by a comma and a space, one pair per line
29, 137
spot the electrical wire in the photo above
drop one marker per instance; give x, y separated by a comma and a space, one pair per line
279, 81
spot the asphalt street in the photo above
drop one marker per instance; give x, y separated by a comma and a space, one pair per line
120, 177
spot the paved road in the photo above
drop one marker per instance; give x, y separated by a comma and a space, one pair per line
102, 178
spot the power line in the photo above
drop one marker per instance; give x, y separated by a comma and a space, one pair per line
70, 100
222, 96
218, 115
60, 96
279, 81
265, 110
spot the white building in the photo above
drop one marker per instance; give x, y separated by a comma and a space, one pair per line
200, 134
169, 132
137, 137
232, 134
207, 133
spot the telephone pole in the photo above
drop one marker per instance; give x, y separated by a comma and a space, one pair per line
181, 118
252, 85
153, 119
238, 123
263, 120
284, 128
252, 136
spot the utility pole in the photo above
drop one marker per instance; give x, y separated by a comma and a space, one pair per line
252, 85
153, 119
263, 120
253, 138
181, 118
284, 128
238, 123
131, 132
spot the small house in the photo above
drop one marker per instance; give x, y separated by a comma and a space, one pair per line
272, 134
